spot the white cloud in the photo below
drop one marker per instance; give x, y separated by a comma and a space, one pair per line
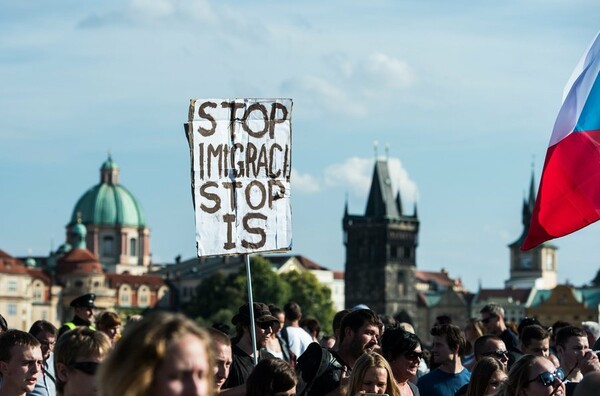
353, 87
304, 182
355, 175
322, 94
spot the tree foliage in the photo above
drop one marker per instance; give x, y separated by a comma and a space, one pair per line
219, 296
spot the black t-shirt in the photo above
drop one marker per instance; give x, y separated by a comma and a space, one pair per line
241, 366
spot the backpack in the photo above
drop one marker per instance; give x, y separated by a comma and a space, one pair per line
313, 364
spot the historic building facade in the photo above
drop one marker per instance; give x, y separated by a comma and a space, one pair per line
381, 251
106, 252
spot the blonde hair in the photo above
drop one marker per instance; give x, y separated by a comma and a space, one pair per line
363, 363
518, 376
129, 370
81, 342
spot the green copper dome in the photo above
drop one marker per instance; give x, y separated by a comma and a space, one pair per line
109, 203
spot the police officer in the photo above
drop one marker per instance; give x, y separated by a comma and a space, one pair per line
84, 313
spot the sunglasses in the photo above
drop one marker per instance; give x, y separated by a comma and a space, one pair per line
85, 367
547, 378
487, 320
414, 355
264, 325
498, 354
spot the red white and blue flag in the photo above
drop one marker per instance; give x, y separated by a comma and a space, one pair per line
569, 192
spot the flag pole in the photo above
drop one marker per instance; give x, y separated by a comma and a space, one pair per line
251, 307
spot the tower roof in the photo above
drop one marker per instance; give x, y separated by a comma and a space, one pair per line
381, 202
108, 203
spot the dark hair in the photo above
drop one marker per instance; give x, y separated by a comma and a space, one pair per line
533, 332
3, 324
270, 376
556, 326
11, 338
481, 374
356, 319
482, 342
275, 310
312, 325
453, 334
563, 335
292, 311
397, 341
42, 325
337, 319
443, 319
527, 321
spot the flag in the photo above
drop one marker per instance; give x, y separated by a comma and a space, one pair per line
569, 194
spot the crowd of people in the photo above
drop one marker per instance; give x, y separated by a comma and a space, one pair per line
273, 351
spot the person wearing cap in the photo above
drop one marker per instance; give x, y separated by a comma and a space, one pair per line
242, 349
83, 307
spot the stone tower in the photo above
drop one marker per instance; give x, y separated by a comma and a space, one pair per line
381, 249
535, 267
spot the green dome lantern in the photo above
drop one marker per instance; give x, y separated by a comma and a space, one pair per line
108, 203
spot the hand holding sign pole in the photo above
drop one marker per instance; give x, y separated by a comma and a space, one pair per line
240, 152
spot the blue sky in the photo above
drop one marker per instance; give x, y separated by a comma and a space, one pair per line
465, 93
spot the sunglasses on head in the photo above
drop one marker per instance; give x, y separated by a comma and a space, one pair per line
413, 355
86, 367
499, 354
547, 378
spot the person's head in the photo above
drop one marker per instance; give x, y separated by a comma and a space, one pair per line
491, 346
327, 341
77, 356
164, 354
473, 329
221, 346
535, 340
312, 327
589, 385
592, 329
45, 332
20, 361
486, 376
109, 323
556, 326
264, 323
83, 307
527, 321
533, 376
402, 349
278, 313
571, 346
448, 343
292, 311
492, 317
359, 332
372, 374
272, 377
337, 322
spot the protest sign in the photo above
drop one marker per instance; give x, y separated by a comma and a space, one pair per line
240, 153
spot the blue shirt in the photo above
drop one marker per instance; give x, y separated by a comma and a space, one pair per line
440, 383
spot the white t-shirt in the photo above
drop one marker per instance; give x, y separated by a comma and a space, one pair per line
298, 339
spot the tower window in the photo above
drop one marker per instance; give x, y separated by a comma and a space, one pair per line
393, 251
133, 247
107, 246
